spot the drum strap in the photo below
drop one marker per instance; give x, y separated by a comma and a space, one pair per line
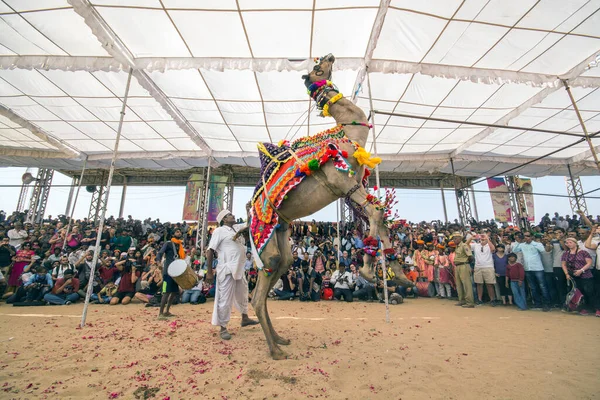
175, 252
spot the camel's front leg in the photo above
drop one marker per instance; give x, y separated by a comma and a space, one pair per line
377, 229
259, 302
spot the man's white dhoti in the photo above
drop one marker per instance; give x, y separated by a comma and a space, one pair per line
229, 291
232, 286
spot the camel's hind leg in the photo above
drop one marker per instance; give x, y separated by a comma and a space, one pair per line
272, 260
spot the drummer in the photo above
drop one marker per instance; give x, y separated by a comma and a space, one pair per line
232, 287
172, 250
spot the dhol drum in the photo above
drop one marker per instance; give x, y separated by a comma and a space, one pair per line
185, 277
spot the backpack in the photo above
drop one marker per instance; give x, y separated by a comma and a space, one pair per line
574, 298
327, 294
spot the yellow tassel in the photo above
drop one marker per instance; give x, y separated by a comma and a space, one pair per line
364, 158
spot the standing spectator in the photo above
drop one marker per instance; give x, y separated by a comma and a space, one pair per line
22, 258
548, 263
484, 273
17, 235
65, 290
7, 252
515, 275
342, 282
444, 274
249, 263
593, 243
534, 270
500, 263
577, 266
558, 248
462, 254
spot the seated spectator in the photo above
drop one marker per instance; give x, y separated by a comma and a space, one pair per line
363, 289
3, 285
318, 262
289, 281
129, 276
412, 275
38, 285
342, 282
345, 260
150, 284
65, 290
59, 270
195, 295
252, 281
105, 294
309, 283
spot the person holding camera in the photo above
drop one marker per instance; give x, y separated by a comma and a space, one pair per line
129, 276
65, 290
38, 285
577, 265
342, 282
309, 283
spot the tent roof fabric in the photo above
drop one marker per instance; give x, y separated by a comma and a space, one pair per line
213, 78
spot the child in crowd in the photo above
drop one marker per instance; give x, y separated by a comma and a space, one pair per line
515, 275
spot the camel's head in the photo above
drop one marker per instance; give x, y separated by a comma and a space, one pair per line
323, 70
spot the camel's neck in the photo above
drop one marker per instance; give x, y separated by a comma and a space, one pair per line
345, 111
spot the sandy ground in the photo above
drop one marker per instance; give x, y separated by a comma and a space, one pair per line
430, 350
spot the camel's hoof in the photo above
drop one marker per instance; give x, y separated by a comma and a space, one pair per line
279, 355
282, 341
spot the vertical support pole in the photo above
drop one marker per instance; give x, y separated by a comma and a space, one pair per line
71, 193
585, 132
205, 210
444, 201
200, 208
575, 193
111, 172
123, 194
383, 260
71, 210
474, 203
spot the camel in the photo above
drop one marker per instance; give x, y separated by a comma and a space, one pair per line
316, 191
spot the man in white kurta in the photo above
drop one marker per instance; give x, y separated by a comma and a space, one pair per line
232, 286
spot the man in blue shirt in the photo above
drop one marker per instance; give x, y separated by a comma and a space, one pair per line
534, 270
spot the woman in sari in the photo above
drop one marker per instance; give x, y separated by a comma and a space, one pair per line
21, 260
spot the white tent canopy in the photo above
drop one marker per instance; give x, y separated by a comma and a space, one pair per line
214, 77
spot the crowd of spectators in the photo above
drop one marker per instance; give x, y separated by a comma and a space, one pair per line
480, 263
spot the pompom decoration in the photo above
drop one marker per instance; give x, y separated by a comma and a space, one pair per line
313, 165
344, 154
375, 187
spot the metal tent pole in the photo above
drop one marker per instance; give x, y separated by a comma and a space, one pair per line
585, 132
383, 261
474, 204
111, 171
444, 201
71, 209
123, 194
205, 210
71, 193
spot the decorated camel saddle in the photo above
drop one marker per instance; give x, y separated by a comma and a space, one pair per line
285, 165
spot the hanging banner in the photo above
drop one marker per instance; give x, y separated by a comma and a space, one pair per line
526, 188
190, 202
216, 196
500, 199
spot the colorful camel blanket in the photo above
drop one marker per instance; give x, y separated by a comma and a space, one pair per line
284, 167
